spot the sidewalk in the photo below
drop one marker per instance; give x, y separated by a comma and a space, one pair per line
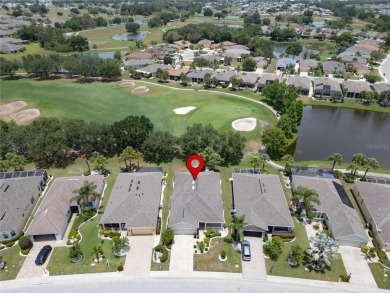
369, 174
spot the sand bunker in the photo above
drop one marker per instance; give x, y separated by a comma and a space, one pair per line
140, 90
25, 115
184, 110
127, 84
12, 107
244, 124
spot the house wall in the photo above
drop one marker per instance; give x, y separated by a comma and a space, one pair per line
141, 231
352, 240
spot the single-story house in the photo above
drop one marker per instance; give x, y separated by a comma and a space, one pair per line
374, 203
137, 63
261, 199
360, 68
300, 82
19, 192
174, 74
268, 78
350, 57
182, 44
236, 54
353, 88
261, 62
198, 75
10, 48
139, 55
249, 79
53, 215
326, 87
212, 58
134, 203
13, 41
381, 87
206, 43
283, 63
307, 65
224, 77
196, 205
329, 67
151, 70
242, 47
335, 209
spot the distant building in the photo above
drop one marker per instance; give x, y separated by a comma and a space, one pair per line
353, 88
326, 88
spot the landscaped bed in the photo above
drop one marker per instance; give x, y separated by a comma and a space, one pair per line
14, 262
210, 261
282, 268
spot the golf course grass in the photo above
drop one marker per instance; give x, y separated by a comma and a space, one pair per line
107, 102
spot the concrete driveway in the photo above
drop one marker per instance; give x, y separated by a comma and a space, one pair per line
29, 269
255, 268
182, 256
357, 266
139, 258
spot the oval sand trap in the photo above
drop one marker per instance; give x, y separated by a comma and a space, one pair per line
25, 115
127, 84
244, 124
12, 107
140, 90
184, 110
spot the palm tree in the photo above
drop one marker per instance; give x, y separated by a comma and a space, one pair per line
263, 158
255, 161
335, 158
353, 168
371, 163
120, 245
238, 225
128, 154
360, 160
97, 251
288, 160
84, 194
99, 160
308, 196
138, 156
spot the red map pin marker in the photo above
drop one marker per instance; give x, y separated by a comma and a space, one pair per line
195, 164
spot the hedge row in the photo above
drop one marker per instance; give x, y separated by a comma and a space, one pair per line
284, 235
109, 233
211, 234
158, 228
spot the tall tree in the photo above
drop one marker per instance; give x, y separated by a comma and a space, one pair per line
308, 196
255, 162
371, 163
211, 158
15, 161
99, 161
238, 223
127, 155
85, 194
160, 147
132, 27
275, 140
335, 158
97, 251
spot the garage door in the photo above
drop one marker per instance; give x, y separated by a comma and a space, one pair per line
184, 231
350, 243
47, 237
253, 233
141, 231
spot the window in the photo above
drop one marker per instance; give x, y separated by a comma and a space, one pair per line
90, 204
5, 236
281, 229
13, 233
32, 199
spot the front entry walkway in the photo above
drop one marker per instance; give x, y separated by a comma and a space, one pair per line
357, 266
255, 268
182, 256
139, 258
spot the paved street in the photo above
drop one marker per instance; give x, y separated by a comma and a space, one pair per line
182, 259
255, 269
139, 258
356, 265
384, 69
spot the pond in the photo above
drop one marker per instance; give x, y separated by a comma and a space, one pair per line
139, 21
229, 25
138, 36
319, 24
232, 17
103, 55
326, 130
280, 48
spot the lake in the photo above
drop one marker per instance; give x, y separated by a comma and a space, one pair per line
280, 48
230, 25
319, 24
326, 130
138, 36
103, 55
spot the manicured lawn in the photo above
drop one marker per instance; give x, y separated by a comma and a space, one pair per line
107, 102
282, 268
160, 266
210, 262
349, 103
377, 271
14, 262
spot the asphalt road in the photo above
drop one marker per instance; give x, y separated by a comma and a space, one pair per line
384, 69
171, 285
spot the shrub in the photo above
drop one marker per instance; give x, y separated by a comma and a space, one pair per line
87, 173
164, 252
370, 233
206, 249
167, 237
349, 178
207, 240
273, 248
2, 247
316, 226
364, 248
216, 234
68, 242
338, 174
25, 251
194, 235
10, 244
344, 277
74, 251
228, 239
290, 235
25, 243
383, 257
195, 246
72, 234
120, 267
207, 233
223, 254
201, 246
158, 228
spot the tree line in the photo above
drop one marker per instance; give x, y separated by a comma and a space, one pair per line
50, 142
85, 65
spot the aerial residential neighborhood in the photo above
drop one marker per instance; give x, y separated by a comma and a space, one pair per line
176, 146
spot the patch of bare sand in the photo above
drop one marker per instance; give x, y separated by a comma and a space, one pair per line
25, 115
127, 84
140, 90
12, 107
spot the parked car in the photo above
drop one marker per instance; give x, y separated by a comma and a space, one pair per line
42, 255
246, 250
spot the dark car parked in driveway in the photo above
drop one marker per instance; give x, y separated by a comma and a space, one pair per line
246, 250
42, 255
